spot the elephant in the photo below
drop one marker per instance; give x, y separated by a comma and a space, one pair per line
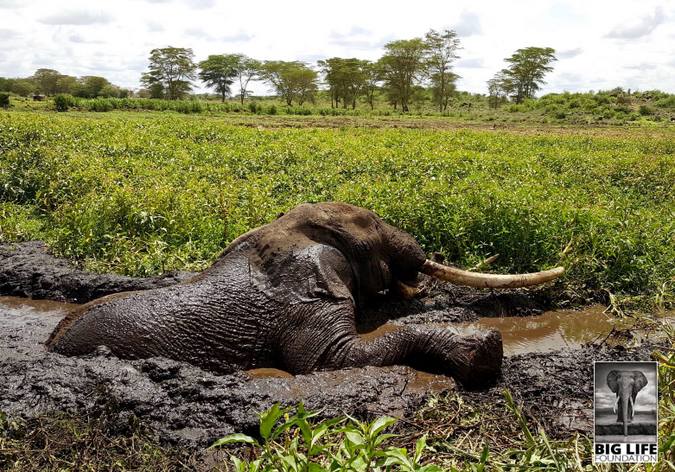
626, 384
287, 295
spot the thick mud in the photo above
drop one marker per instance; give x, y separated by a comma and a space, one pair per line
548, 364
28, 270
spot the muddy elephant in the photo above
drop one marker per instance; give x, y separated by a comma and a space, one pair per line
287, 295
626, 384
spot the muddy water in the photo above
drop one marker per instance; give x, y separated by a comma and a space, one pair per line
550, 331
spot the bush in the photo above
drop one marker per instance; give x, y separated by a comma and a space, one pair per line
64, 101
4, 100
646, 110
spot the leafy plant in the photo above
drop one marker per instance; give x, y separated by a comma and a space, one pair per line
294, 441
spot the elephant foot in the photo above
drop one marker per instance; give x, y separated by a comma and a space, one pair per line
477, 359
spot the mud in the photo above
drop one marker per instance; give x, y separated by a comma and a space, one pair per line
189, 406
28, 270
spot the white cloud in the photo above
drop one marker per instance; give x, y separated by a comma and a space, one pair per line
642, 27
569, 53
471, 63
468, 24
75, 17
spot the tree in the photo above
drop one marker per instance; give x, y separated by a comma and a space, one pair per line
291, 80
345, 78
91, 86
402, 66
249, 69
499, 89
527, 69
170, 71
371, 81
46, 80
441, 52
219, 71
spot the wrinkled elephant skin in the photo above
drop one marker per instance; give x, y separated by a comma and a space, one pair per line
284, 295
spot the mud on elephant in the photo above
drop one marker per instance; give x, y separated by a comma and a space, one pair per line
288, 295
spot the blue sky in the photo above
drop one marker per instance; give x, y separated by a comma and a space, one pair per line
599, 44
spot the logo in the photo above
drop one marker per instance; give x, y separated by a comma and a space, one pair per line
625, 404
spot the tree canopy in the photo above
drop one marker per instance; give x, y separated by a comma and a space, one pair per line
526, 72
293, 81
219, 72
402, 67
170, 71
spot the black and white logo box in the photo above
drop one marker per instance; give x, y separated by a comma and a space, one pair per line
625, 406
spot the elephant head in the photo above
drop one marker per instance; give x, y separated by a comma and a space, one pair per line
625, 384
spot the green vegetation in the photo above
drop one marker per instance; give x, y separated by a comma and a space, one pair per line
141, 194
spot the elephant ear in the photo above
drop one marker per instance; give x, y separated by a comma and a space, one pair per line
612, 381
640, 382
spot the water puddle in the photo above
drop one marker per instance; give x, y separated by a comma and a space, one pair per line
549, 331
18, 306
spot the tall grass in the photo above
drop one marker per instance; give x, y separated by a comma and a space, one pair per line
138, 194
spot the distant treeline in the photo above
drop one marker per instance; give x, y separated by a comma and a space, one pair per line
409, 71
51, 82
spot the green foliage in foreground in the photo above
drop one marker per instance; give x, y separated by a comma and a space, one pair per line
140, 195
294, 443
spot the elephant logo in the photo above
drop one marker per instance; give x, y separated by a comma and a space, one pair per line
626, 411
626, 384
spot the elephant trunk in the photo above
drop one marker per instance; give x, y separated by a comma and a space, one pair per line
473, 279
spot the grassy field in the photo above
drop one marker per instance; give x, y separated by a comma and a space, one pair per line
142, 193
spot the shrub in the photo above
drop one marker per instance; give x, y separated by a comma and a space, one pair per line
4, 100
646, 110
64, 101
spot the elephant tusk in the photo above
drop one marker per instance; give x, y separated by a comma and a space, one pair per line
615, 404
632, 407
473, 279
408, 292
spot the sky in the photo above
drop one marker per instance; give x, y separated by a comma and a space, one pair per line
599, 44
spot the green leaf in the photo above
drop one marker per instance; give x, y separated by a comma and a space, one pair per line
420, 445
268, 419
234, 439
355, 438
379, 424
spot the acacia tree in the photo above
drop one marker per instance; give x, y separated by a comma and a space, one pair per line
371, 81
499, 88
402, 66
170, 70
46, 80
441, 52
247, 70
345, 78
219, 72
291, 80
526, 71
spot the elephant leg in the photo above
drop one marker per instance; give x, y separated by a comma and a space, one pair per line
475, 361
331, 342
